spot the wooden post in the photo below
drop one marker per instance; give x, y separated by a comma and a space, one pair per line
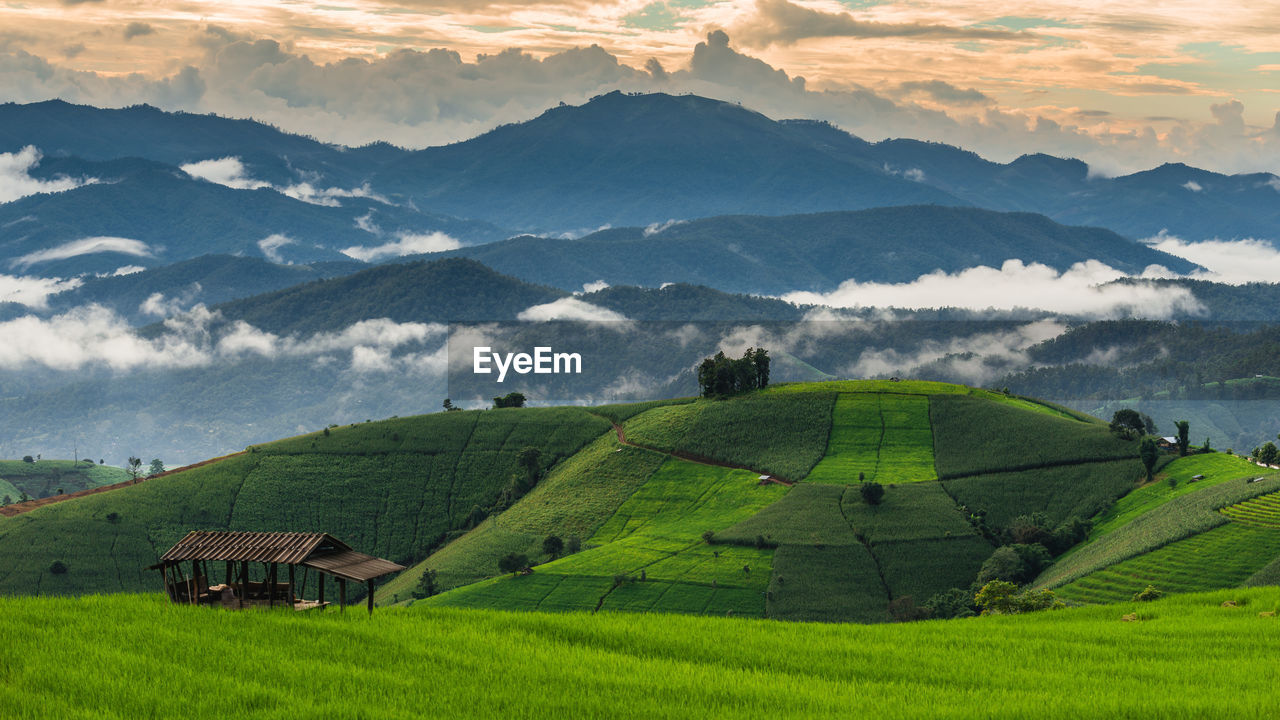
291, 579
228, 572
195, 579
342, 594
370, 597
244, 581
321, 589
271, 587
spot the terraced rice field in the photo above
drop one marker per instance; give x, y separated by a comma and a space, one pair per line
651, 555
1262, 511
877, 437
1223, 557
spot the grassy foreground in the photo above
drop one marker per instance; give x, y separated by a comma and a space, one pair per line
130, 656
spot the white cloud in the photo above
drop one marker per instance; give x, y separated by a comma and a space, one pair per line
1080, 290
974, 358
16, 181
570, 308
655, 228
591, 287
1227, 261
231, 172
158, 305
96, 337
408, 244
85, 246
228, 171
33, 292
270, 247
1192, 185
127, 270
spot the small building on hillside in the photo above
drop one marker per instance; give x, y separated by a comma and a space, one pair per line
1168, 442
320, 554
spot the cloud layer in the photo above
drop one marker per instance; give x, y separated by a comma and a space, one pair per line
1227, 261
1123, 90
1080, 290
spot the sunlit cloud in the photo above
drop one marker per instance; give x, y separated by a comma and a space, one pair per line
571, 308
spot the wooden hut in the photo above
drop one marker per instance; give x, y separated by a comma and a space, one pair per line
318, 553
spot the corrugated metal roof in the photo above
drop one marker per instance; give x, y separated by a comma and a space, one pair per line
352, 565
320, 551
277, 547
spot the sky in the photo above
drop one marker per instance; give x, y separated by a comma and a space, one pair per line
1123, 85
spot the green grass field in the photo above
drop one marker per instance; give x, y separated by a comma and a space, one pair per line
973, 436
391, 488
1179, 518
1216, 467
656, 534
1082, 490
45, 477
1262, 511
784, 435
123, 656
1225, 556
877, 437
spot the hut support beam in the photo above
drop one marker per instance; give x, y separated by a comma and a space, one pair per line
342, 594
292, 577
370, 597
321, 577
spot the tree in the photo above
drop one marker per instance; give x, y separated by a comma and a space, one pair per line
510, 400
426, 585
721, 376
553, 546
1128, 423
513, 562
134, 468
1005, 564
7, 501
573, 545
1184, 436
157, 467
23, 496
449, 406
28, 459
58, 567
1148, 452
528, 468
1002, 598
872, 493
1267, 453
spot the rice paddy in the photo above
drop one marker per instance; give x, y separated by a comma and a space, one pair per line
877, 437
123, 656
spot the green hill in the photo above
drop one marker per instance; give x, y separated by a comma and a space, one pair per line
46, 477
751, 506
1171, 661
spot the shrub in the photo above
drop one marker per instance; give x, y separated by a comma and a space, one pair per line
872, 493
953, 603
58, 567
553, 546
113, 518
28, 459
573, 544
708, 536
513, 562
904, 609
1002, 598
1149, 594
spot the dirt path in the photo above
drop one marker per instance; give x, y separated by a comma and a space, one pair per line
28, 506
765, 478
